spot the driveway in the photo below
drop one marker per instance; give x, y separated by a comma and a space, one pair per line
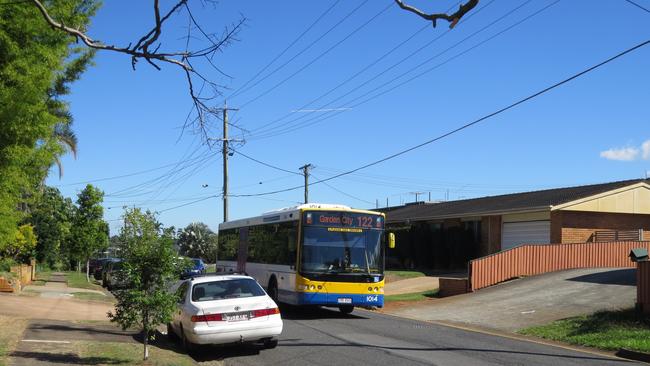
532, 301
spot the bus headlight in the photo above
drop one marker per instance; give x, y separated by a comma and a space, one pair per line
376, 289
312, 287
369, 288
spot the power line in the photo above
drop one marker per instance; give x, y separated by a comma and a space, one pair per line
319, 56
467, 125
319, 119
425, 27
303, 50
265, 164
189, 203
344, 193
638, 6
286, 49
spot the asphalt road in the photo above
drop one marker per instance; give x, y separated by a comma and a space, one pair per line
325, 337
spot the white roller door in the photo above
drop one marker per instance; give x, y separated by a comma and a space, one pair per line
527, 232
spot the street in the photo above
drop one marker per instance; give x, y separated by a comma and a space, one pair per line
326, 337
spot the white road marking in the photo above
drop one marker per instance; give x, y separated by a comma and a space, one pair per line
43, 341
528, 312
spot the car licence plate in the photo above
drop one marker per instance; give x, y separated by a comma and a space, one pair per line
237, 317
344, 300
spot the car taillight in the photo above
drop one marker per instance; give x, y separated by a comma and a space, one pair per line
265, 312
207, 318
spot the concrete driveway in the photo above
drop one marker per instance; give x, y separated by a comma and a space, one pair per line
533, 301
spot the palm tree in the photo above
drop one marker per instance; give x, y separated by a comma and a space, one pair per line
67, 141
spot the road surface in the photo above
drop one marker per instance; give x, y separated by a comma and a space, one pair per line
325, 337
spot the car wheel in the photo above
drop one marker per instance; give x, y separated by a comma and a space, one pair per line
346, 309
187, 345
270, 344
171, 335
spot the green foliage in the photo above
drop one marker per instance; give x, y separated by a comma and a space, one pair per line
6, 264
37, 64
22, 245
150, 266
196, 240
52, 219
89, 231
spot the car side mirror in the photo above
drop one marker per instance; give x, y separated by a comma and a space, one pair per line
391, 240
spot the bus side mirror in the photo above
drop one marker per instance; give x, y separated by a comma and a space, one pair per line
391, 240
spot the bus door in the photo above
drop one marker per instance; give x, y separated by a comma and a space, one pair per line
242, 253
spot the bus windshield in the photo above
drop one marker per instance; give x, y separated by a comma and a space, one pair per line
334, 250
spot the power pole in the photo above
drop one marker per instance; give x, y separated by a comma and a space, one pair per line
305, 171
224, 151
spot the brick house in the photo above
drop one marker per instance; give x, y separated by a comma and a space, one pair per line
445, 235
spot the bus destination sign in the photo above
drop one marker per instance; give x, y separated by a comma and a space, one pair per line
343, 219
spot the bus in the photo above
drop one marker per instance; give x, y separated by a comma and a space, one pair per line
312, 254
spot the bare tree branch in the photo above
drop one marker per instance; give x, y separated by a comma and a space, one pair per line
144, 49
433, 17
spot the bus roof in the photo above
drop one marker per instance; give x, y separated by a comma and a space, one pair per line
288, 214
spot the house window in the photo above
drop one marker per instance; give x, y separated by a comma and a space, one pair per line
475, 228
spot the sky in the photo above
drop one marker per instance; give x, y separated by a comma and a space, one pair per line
379, 80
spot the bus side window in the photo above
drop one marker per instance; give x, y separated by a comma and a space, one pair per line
291, 245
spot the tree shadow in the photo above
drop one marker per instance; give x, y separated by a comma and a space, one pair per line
624, 277
66, 358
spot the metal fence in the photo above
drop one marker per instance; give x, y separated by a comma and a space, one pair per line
529, 260
643, 286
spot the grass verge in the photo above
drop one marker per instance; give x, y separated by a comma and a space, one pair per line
93, 297
130, 354
78, 280
11, 331
43, 275
416, 296
402, 275
607, 330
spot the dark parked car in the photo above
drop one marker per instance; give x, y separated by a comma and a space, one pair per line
111, 274
197, 267
97, 267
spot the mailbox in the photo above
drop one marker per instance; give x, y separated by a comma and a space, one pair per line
639, 254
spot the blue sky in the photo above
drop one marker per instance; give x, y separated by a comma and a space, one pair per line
591, 130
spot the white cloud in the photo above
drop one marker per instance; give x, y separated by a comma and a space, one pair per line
646, 150
623, 154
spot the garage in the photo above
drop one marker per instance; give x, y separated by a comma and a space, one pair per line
527, 232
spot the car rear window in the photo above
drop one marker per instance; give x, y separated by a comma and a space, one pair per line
226, 289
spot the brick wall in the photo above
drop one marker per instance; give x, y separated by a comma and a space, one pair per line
579, 227
452, 286
490, 235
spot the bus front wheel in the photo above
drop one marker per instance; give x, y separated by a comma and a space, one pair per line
346, 309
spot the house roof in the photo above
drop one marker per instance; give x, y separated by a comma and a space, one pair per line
515, 202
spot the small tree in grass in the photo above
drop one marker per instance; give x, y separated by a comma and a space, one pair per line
149, 267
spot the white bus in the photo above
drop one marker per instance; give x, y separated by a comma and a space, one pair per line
313, 254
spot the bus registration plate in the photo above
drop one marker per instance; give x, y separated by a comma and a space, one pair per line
344, 300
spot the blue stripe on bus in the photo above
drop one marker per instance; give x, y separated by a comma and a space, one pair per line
319, 298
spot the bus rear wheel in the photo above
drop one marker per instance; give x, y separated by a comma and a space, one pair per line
346, 309
273, 289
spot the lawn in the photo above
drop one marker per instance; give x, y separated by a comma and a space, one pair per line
78, 280
11, 330
607, 330
417, 296
93, 297
43, 275
129, 354
392, 276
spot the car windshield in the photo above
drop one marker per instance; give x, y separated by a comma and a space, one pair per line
197, 262
328, 251
226, 289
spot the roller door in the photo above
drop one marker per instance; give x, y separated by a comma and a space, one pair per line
527, 232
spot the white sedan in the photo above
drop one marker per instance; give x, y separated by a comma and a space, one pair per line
224, 309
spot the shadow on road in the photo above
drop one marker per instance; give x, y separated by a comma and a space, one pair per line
624, 277
290, 312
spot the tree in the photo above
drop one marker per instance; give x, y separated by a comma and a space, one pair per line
453, 18
149, 267
198, 241
51, 217
36, 65
89, 232
21, 247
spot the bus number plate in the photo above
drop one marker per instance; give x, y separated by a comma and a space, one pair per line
345, 300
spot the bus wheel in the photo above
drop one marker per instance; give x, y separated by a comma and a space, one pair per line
273, 289
346, 309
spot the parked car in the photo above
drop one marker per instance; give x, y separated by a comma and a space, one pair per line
197, 267
97, 267
224, 309
111, 275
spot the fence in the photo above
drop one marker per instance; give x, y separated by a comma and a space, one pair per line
643, 286
529, 260
618, 235
24, 274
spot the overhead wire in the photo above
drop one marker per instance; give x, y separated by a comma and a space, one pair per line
464, 126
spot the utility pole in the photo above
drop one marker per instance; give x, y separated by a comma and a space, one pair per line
305, 171
225, 152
